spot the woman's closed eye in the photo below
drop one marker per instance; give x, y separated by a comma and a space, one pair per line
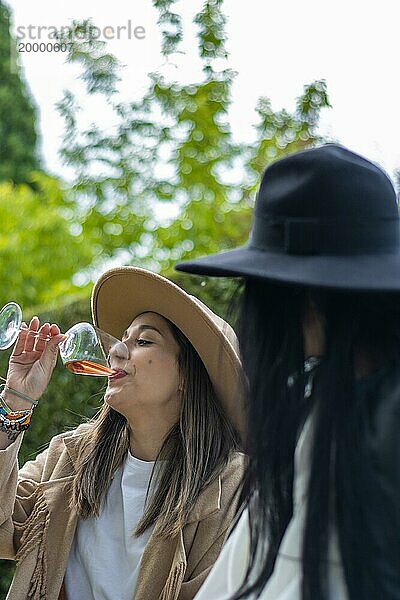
143, 342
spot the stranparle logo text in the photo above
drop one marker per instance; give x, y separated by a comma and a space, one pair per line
82, 32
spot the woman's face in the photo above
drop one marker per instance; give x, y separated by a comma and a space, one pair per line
149, 381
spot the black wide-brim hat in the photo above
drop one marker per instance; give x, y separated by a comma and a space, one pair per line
323, 217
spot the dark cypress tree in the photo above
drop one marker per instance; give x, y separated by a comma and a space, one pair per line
17, 114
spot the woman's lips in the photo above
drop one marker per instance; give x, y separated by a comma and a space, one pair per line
118, 374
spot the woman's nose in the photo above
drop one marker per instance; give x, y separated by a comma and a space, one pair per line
119, 351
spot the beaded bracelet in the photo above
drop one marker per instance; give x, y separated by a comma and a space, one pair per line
14, 421
17, 424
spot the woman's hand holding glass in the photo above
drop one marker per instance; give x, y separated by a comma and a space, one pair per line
33, 360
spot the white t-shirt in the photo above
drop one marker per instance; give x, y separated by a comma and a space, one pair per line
105, 556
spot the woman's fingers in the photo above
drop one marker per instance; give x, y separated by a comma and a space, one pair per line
54, 329
42, 337
26, 338
20, 344
49, 357
34, 357
34, 339
30, 338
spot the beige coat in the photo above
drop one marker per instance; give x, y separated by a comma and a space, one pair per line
37, 528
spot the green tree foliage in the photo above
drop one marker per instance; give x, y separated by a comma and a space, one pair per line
174, 149
41, 244
17, 114
171, 26
40, 249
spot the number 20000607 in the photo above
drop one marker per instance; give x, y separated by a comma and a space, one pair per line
43, 47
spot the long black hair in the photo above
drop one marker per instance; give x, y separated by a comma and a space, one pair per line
270, 328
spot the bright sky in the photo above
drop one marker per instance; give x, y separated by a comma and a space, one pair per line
276, 48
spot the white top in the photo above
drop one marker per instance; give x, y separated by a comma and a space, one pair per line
285, 583
105, 555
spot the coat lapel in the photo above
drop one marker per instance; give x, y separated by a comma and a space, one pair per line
164, 560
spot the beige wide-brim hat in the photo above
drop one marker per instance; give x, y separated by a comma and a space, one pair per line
121, 294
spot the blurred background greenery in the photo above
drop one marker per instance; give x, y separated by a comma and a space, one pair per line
173, 149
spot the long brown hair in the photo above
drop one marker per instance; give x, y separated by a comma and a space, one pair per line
194, 452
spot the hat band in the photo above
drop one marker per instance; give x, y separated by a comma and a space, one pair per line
325, 236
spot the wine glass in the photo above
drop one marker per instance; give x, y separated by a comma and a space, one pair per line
86, 349
10, 325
